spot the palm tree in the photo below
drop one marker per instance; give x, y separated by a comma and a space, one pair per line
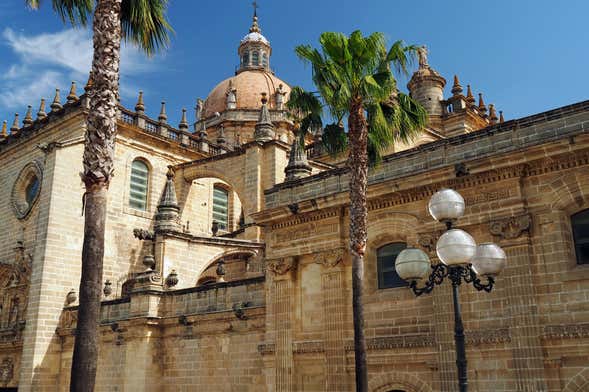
354, 78
144, 23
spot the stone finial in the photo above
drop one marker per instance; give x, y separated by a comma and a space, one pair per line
4, 133
221, 140
501, 119
140, 106
72, 97
492, 114
90, 82
163, 117
482, 108
168, 210
41, 113
28, 120
56, 104
297, 167
469, 97
231, 101
264, 127
456, 88
183, 125
15, 127
255, 28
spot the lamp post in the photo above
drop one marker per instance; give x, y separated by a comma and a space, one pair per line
461, 260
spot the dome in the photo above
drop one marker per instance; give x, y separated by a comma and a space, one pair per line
255, 37
248, 85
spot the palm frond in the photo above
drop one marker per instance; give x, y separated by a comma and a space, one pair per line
145, 24
75, 12
334, 139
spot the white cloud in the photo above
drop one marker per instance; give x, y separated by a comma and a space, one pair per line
51, 60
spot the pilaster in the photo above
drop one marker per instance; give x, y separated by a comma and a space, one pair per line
284, 270
334, 310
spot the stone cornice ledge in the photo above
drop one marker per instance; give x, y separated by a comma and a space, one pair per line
506, 137
212, 240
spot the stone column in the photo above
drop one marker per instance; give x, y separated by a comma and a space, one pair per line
283, 270
334, 310
513, 233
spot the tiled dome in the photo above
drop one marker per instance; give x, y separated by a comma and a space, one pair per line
248, 85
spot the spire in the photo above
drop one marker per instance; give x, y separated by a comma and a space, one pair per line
163, 117
221, 136
89, 83
492, 114
72, 97
264, 128
469, 97
183, 125
56, 104
28, 121
15, 127
3, 133
457, 88
482, 108
41, 113
140, 106
255, 28
501, 119
168, 210
297, 167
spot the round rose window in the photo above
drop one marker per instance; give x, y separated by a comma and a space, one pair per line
26, 189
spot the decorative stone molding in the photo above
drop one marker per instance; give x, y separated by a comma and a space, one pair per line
428, 240
491, 336
142, 234
512, 227
22, 204
329, 258
266, 348
308, 347
6, 371
282, 265
571, 331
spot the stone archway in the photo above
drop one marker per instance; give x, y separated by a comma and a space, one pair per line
579, 383
393, 382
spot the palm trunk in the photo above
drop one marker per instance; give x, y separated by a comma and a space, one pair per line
358, 164
98, 168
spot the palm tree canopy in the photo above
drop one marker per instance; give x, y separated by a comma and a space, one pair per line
144, 22
358, 69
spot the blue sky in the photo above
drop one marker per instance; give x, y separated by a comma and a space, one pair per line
525, 56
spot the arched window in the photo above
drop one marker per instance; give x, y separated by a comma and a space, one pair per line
385, 261
264, 59
580, 224
255, 58
245, 58
138, 185
221, 207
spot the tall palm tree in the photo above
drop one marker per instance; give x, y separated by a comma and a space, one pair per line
144, 23
354, 78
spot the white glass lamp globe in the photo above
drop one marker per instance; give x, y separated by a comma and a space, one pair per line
456, 247
412, 264
446, 205
489, 259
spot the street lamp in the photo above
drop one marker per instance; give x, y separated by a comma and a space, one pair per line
461, 259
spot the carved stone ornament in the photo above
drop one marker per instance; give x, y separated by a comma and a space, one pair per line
26, 189
512, 227
571, 331
329, 258
281, 266
6, 371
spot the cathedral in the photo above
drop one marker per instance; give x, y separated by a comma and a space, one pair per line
226, 265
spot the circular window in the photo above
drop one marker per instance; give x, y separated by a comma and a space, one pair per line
26, 189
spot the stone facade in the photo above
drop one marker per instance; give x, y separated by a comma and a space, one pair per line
265, 303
